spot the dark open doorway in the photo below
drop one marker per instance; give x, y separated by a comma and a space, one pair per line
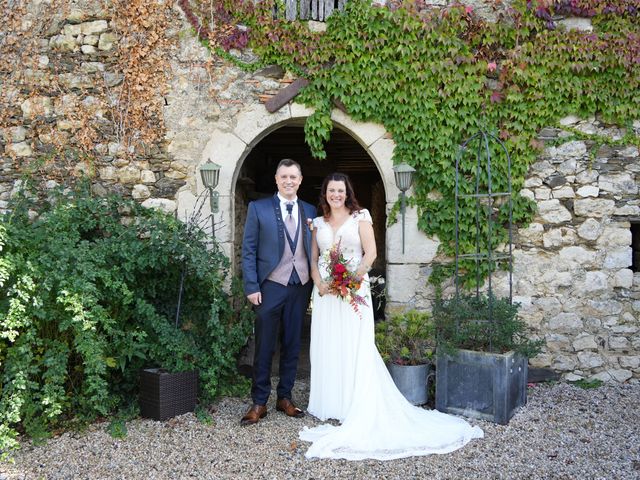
344, 154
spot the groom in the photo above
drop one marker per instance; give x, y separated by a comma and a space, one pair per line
275, 264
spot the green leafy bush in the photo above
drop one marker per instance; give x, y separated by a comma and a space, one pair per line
89, 292
481, 323
406, 338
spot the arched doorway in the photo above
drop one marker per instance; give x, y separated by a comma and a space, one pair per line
344, 154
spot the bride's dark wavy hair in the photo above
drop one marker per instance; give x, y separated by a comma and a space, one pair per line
351, 202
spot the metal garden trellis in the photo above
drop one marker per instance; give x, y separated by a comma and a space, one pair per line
486, 201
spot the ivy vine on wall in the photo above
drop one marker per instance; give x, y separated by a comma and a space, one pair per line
433, 77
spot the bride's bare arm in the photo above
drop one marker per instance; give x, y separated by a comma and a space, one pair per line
315, 273
368, 240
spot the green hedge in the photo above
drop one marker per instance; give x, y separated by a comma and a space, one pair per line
88, 295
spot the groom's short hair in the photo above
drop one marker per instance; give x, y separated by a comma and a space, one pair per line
287, 162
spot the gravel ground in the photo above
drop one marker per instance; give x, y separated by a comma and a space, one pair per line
564, 432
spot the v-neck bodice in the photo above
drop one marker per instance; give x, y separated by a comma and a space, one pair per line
347, 234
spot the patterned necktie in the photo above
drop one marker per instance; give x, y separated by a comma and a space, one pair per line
289, 222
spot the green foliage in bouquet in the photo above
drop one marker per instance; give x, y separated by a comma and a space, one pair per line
88, 296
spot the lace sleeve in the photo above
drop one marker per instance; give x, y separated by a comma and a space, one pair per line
363, 215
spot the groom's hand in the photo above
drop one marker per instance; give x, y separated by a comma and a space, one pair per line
255, 298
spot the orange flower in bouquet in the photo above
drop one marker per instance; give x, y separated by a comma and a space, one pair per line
342, 282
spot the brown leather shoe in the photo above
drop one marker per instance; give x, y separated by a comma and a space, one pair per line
253, 415
285, 405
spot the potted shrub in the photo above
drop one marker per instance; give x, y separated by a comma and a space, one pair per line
407, 342
482, 357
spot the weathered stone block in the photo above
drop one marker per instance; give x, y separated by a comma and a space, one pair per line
532, 234
618, 258
563, 192
565, 322
14, 134
593, 207
147, 177
590, 360
401, 281
619, 343
542, 193
88, 49
559, 236
65, 43
552, 211
22, 149
585, 342
569, 120
418, 248
578, 255
574, 149
35, 106
631, 361
255, 122
91, 28
618, 375
621, 184
603, 307
91, 40
92, 67
224, 148
107, 41
630, 152
595, 282
72, 30
128, 175
588, 191
140, 192
614, 236
623, 278
563, 363
590, 229
108, 173
557, 343
587, 176
533, 182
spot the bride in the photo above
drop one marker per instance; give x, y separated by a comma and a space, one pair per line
349, 381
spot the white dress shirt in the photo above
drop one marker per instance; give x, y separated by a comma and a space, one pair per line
283, 208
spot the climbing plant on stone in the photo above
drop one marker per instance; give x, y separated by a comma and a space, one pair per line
433, 77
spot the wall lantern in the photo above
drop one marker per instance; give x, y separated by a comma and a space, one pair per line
210, 173
404, 178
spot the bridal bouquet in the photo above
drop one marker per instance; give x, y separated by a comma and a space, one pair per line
342, 282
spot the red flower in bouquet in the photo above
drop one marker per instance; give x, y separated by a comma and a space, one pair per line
342, 282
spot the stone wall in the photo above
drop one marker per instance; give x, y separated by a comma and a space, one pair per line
572, 264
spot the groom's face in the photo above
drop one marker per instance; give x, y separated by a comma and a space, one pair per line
288, 180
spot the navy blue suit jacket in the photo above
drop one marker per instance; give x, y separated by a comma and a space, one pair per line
263, 242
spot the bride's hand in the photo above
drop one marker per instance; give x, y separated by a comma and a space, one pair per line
323, 289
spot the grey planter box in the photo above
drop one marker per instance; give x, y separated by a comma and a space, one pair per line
412, 381
488, 386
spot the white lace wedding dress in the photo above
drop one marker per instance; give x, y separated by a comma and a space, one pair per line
350, 382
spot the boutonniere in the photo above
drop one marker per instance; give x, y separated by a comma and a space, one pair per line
310, 223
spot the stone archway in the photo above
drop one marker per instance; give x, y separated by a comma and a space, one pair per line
230, 149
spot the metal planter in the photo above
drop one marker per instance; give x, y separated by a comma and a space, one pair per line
488, 386
412, 381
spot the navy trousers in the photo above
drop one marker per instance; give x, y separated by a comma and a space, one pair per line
284, 307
